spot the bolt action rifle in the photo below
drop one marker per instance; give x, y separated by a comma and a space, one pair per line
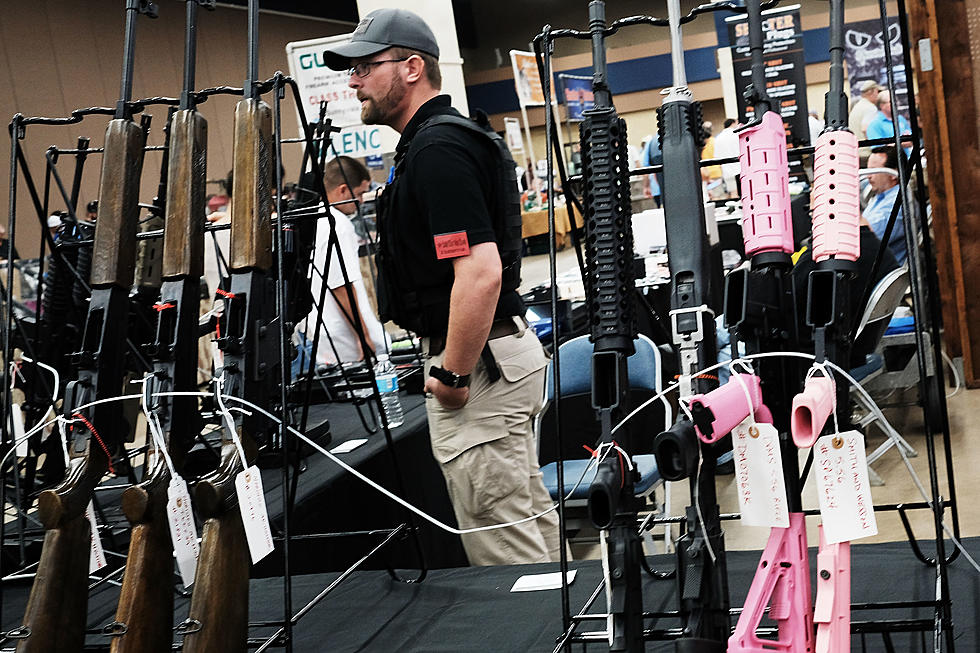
56, 611
218, 617
144, 616
611, 504
702, 578
760, 310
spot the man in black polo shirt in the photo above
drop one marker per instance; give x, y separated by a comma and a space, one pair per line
448, 271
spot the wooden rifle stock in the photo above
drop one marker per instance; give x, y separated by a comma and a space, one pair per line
218, 617
146, 601
56, 611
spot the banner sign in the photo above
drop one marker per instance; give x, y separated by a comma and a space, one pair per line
785, 72
526, 79
577, 93
317, 83
864, 53
512, 129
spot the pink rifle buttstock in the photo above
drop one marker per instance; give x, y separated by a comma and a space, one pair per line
782, 582
833, 610
767, 225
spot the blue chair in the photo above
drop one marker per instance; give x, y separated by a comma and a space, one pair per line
579, 426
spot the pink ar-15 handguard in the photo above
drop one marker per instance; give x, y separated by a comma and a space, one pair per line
835, 202
717, 412
767, 224
782, 582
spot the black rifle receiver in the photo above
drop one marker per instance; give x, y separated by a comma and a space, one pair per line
610, 284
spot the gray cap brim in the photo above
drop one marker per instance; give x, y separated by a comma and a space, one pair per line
338, 57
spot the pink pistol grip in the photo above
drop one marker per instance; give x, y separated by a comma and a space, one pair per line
782, 581
767, 225
729, 407
835, 203
811, 408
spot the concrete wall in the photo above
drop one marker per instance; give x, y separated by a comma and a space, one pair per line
59, 55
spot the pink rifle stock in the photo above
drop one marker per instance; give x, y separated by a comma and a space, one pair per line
782, 582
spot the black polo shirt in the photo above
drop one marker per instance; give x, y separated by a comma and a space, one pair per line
439, 207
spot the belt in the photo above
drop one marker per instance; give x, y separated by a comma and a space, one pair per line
503, 327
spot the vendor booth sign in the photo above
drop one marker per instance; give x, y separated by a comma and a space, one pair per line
317, 83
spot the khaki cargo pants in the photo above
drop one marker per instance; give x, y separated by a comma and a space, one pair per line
489, 457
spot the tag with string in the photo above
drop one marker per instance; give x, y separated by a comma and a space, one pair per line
248, 484
180, 517
96, 558
843, 488
758, 467
17, 420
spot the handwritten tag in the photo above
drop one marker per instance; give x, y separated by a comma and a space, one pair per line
96, 558
759, 475
843, 488
17, 417
183, 531
255, 517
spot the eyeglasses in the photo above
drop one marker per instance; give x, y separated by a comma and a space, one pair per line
364, 68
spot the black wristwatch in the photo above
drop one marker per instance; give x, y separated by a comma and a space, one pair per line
448, 378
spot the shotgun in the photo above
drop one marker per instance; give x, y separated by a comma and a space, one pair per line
702, 578
56, 611
144, 616
218, 617
611, 505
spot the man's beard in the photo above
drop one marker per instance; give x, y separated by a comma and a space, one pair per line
377, 111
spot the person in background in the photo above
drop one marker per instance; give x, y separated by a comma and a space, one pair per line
651, 156
345, 180
885, 187
711, 175
449, 270
864, 109
816, 126
882, 125
726, 145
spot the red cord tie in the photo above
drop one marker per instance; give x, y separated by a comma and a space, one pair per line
98, 438
225, 293
163, 307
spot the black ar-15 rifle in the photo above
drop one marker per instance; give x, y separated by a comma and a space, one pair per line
56, 611
144, 617
218, 618
702, 579
611, 504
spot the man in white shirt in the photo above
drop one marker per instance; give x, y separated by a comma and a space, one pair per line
726, 145
864, 109
345, 179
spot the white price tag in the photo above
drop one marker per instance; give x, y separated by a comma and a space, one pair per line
183, 531
17, 417
96, 558
843, 488
759, 475
251, 502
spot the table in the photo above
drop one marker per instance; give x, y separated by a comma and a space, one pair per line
535, 223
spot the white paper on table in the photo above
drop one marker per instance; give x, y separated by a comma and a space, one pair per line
535, 582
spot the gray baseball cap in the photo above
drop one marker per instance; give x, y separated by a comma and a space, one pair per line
379, 30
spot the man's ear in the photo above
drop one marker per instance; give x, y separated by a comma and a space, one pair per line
416, 69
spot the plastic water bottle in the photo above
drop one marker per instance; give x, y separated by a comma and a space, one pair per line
387, 381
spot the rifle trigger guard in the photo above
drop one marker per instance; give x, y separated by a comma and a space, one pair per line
115, 629
188, 626
21, 632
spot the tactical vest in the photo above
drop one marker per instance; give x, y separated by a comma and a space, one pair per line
414, 308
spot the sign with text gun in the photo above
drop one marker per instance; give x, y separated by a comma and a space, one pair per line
317, 83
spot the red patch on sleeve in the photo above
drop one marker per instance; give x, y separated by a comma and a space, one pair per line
451, 245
